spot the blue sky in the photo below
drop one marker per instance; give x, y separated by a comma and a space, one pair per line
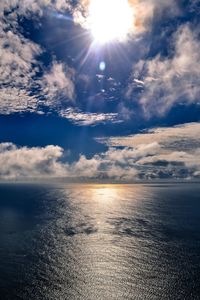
128, 109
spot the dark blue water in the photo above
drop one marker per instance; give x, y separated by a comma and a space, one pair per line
99, 242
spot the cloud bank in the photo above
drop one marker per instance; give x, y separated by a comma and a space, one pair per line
174, 154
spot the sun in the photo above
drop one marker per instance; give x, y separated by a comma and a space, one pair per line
109, 20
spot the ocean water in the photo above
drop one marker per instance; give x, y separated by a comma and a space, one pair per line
93, 242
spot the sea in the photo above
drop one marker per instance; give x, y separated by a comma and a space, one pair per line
99, 241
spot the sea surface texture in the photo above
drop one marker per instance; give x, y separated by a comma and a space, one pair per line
93, 242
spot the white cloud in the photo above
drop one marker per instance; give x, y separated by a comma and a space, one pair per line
85, 119
175, 152
59, 81
17, 57
84, 167
61, 5
21, 88
185, 137
160, 153
23, 162
172, 80
16, 162
29, 7
13, 100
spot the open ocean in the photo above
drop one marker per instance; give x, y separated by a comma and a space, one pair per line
88, 242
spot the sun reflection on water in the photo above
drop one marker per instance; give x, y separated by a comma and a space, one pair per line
100, 241
106, 208
105, 193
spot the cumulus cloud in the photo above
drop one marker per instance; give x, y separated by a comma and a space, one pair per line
172, 80
173, 154
37, 162
22, 162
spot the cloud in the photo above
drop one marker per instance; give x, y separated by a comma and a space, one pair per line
17, 70
59, 84
22, 162
175, 152
25, 84
22, 87
84, 119
29, 8
162, 153
37, 162
168, 81
88, 168
185, 137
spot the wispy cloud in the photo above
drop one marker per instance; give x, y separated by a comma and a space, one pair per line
58, 84
29, 8
22, 87
167, 81
17, 69
26, 85
83, 119
185, 137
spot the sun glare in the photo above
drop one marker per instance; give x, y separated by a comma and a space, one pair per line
109, 20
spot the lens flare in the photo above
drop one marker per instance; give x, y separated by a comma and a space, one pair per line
102, 66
